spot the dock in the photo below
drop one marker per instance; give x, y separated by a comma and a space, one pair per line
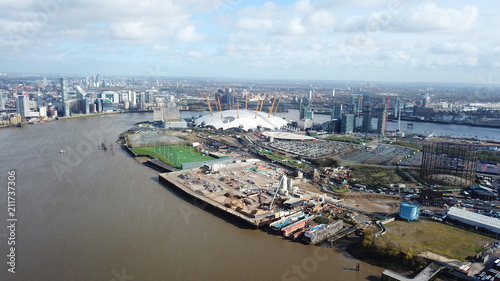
169, 180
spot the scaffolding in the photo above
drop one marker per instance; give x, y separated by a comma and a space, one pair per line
449, 164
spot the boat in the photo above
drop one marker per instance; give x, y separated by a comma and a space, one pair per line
62, 151
410, 125
321, 232
279, 224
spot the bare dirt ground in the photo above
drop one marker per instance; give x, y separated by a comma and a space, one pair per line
379, 205
229, 141
371, 202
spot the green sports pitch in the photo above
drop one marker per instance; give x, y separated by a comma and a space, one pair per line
173, 155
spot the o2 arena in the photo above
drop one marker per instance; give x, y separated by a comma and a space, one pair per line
241, 119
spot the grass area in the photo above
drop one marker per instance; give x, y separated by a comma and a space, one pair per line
491, 156
284, 159
424, 235
173, 155
339, 190
376, 177
345, 139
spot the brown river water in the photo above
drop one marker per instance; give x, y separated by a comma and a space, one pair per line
91, 214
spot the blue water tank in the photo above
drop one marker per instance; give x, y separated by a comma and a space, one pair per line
409, 211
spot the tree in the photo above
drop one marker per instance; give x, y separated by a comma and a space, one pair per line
409, 255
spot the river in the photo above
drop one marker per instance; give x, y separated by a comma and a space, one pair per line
91, 214
453, 130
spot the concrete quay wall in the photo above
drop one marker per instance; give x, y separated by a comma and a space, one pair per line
166, 179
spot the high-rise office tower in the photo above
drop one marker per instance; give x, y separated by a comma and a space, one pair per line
426, 101
337, 111
367, 117
382, 115
347, 125
80, 94
352, 104
65, 96
2, 102
23, 106
132, 99
333, 92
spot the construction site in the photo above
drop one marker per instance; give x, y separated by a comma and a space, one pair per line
264, 195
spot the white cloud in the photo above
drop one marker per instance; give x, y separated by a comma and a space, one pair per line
454, 48
300, 36
188, 34
429, 17
425, 17
127, 31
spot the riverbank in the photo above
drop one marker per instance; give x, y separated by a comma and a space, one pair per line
40, 122
416, 120
111, 210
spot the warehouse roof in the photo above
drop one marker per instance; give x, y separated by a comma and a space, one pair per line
489, 223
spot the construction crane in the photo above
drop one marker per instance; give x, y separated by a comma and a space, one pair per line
387, 113
317, 198
280, 184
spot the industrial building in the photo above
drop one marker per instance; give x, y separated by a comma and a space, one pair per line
409, 211
449, 164
169, 116
429, 197
474, 219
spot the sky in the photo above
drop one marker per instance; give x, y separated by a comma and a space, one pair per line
363, 40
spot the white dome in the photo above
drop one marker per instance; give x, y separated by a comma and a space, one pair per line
247, 120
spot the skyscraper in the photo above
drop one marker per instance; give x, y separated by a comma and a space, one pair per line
80, 94
426, 101
2, 102
65, 96
347, 125
337, 111
23, 106
382, 115
333, 92
305, 112
352, 104
132, 99
367, 117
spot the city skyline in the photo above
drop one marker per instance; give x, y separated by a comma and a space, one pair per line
389, 41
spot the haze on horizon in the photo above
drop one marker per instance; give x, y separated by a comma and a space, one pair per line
370, 40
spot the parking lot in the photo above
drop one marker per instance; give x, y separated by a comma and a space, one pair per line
156, 136
382, 154
310, 148
413, 161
